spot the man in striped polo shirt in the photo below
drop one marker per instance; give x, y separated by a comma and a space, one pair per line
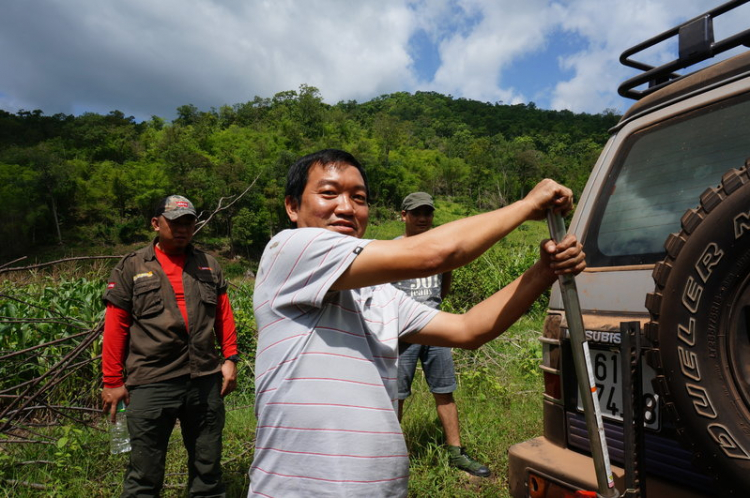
329, 326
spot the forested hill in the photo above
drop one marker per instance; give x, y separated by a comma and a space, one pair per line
93, 179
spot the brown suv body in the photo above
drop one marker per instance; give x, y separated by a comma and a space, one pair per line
673, 173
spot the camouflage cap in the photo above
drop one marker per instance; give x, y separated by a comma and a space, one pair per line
174, 206
416, 199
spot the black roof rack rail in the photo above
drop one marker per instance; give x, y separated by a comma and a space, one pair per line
696, 44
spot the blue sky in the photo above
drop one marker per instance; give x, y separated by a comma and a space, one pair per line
146, 57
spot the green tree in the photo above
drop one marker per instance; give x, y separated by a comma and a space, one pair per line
388, 131
250, 231
98, 176
20, 206
55, 183
187, 115
310, 112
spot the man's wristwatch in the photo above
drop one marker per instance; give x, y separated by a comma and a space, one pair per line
235, 358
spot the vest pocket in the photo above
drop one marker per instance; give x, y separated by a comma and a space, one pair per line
147, 299
208, 292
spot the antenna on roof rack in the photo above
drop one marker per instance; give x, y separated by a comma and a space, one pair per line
696, 44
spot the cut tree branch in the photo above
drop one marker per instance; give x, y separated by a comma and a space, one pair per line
221, 207
50, 263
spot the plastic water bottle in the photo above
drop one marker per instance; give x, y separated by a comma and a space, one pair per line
118, 432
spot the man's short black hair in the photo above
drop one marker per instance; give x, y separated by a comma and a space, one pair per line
297, 177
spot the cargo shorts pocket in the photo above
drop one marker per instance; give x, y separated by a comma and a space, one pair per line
147, 298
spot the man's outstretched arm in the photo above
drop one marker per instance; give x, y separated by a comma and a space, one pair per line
496, 314
451, 245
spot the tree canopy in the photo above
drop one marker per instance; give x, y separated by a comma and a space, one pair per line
94, 178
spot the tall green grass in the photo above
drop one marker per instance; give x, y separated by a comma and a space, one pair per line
499, 404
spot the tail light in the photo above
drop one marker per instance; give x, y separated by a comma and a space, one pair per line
542, 487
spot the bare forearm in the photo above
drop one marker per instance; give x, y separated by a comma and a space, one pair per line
491, 317
439, 250
470, 237
462, 241
452, 245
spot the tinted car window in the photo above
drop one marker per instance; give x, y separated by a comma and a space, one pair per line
664, 171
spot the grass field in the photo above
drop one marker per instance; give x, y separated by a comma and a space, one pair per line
499, 400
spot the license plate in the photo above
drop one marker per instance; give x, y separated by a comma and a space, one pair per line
607, 369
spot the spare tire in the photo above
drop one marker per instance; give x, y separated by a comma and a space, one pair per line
700, 325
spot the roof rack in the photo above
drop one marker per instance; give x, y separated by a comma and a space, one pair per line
696, 44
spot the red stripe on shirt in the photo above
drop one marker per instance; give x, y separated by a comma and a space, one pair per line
375, 481
327, 429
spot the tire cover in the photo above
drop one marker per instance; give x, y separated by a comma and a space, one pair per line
700, 316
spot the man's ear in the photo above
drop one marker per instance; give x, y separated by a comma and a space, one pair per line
403, 216
155, 223
292, 206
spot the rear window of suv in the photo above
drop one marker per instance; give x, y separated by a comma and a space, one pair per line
661, 173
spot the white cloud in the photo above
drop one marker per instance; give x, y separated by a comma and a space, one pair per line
154, 56
610, 28
144, 57
491, 34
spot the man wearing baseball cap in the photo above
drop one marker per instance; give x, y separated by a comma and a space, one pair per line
417, 211
167, 309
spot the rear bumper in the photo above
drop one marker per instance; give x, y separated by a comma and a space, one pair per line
571, 469
564, 466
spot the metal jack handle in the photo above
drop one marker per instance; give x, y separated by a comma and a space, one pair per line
584, 371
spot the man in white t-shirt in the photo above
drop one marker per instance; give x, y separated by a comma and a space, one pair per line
417, 213
329, 326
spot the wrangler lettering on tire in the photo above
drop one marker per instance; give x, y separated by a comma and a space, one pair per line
700, 324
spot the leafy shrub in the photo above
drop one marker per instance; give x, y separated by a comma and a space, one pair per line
132, 231
250, 230
241, 298
237, 269
41, 312
42, 329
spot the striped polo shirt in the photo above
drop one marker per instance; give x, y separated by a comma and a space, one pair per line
326, 373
